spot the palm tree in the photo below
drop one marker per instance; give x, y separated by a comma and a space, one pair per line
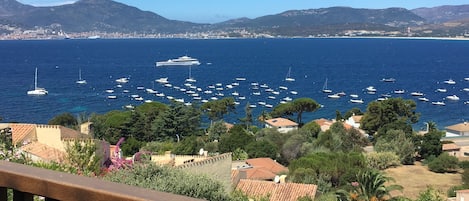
370, 186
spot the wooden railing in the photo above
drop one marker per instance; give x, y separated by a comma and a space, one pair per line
27, 181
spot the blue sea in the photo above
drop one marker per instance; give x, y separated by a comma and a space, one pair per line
349, 65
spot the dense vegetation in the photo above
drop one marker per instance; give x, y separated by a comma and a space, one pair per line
334, 159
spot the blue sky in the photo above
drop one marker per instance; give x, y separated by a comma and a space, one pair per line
211, 11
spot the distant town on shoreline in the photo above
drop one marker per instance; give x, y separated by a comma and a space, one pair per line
98, 19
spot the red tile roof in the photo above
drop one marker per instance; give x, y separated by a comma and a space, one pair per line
280, 122
325, 124
449, 147
46, 153
276, 191
19, 132
267, 164
461, 127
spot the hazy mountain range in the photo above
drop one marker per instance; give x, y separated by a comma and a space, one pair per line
110, 16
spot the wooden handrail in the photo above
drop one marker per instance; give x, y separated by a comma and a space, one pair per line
55, 185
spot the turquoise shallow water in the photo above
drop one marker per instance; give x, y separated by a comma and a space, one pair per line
350, 65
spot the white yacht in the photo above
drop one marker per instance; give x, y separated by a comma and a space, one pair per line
181, 61
371, 89
443, 90
333, 96
80, 80
122, 80
440, 103
357, 101
288, 77
450, 81
37, 91
416, 93
399, 91
452, 97
162, 80
423, 99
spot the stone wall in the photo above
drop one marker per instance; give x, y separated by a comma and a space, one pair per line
216, 167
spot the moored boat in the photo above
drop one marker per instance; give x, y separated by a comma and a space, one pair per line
416, 93
452, 97
356, 101
37, 90
450, 81
181, 61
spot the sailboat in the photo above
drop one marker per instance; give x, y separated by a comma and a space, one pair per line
289, 78
325, 89
80, 81
37, 91
190, 79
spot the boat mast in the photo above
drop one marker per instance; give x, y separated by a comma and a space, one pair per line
35, 80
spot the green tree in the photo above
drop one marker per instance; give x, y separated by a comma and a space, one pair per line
337, 138
301, 105
82, 154
216, 130
237, 137
291, 149
311, 130
247, 120
218, 108
111, 126
188, 146
430, 144
298, 106
353, 111
240, 154
262, 148
337, 167
370, 186
65, 119
131, 146
393, 113
396, 141
176, 122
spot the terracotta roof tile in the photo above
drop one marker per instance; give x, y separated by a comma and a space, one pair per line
276, 191
462, 127
463, 191
325, 124
20, 132
259, 173
451, 146
280, 122
46, 153
267, 164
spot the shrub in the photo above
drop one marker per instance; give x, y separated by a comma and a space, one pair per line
166, 179
444, 163
452, 190
382, 160
464, 164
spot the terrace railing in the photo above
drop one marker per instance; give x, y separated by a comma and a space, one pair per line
27, 181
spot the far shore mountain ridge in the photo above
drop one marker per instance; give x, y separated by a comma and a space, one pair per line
107, 16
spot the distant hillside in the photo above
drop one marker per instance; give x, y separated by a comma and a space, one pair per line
443, 14
107, 16
92, 15
332, 19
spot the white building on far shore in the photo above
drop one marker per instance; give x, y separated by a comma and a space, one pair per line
461, 129
281, 124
